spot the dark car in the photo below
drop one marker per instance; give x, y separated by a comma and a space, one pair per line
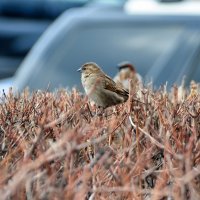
164, 48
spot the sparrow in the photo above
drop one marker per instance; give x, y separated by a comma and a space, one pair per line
100, 88
127, 71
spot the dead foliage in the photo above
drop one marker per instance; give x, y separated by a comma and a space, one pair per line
57, 146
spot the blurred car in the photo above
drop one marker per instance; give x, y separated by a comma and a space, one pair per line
164, 47
21, 24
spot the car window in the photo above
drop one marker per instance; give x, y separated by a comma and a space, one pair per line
144, 46
196, 76
196, 72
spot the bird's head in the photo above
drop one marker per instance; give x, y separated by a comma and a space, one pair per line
126, 66
90, 68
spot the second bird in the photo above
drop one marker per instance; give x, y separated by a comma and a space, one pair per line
100, 88
128, 72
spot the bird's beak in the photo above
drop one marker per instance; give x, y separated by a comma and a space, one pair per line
79, 70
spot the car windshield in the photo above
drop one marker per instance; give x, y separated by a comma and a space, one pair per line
145, 46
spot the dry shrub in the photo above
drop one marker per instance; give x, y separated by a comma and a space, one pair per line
57, 146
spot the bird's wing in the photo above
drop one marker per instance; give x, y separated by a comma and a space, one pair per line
114, 87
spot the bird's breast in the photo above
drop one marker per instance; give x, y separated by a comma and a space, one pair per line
88, 83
